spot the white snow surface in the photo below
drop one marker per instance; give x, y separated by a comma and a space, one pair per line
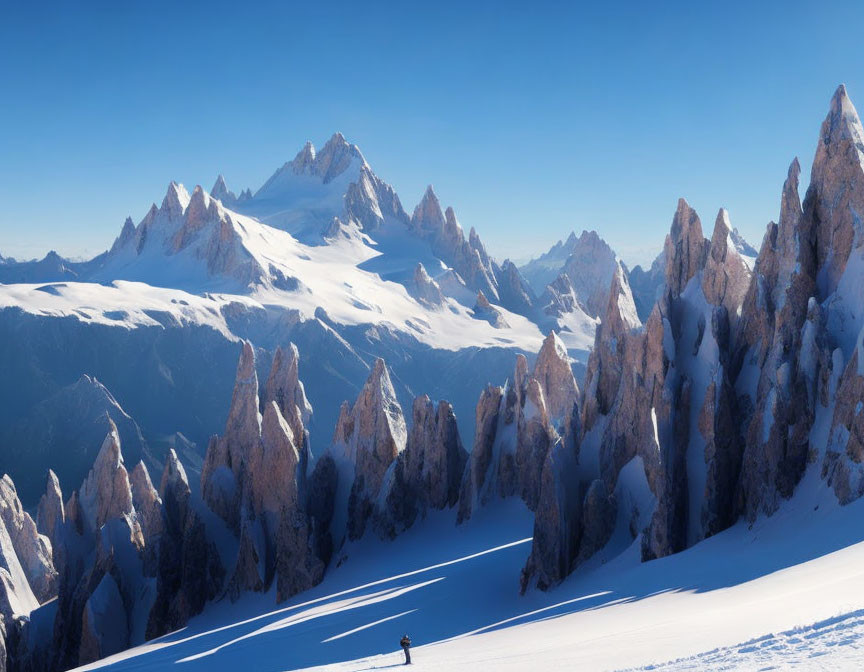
329, 279
789, 591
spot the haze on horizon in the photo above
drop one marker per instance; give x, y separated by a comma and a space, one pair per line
530, 121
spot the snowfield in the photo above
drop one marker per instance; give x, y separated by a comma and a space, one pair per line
787, 592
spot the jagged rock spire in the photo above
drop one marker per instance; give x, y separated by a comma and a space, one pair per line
174, 483
33, 550
126, 234
176, 200
146, 502
379, 426
603, 375
50, 512
727, 276
552, 370
435, 458
837, 188
369, 435
335, 157
428, 214
221, 192
106, 492
228, 456
244, 419
286, 389
305, 158
685, 248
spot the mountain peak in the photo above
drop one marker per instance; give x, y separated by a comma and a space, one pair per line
685, 248
176, 200
842, 121
221, 192
840, 97
335, 157
621, 312
219, 185
428, 214
722, 224
305, 158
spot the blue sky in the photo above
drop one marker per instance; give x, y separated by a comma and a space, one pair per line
531, 119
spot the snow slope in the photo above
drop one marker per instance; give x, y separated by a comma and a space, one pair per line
721, 604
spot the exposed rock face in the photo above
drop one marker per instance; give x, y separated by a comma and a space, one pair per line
199, 227
559, 297
106, 493
447, 240
555, 377
104, 592
16, 596
148, 508
557, 521
482, 464
590, 268
33, 549
189, 570
286, 389
606, 363
727, 276
104, 627
812, 367
254, 478
434, 454
223, 474
517, 427
699, 448
685, 248
660, 394
586, 260
598, 520
428, 472
127, 233
369, 436
774, 312
50, 513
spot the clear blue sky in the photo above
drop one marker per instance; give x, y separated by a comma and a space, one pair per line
531, 119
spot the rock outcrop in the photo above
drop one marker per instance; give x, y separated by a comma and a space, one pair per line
659, 396
447, 240
33, 549
106, 493
254, 478
517, 426
801, 326
50, 513
189, 570
428, 473
369, 437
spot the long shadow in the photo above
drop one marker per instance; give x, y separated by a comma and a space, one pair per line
366, 604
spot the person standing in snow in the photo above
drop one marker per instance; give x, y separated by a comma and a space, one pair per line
405, 643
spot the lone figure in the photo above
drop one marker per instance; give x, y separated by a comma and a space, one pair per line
405, 643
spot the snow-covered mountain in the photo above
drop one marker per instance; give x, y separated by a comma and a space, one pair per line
323, 255
711, 458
